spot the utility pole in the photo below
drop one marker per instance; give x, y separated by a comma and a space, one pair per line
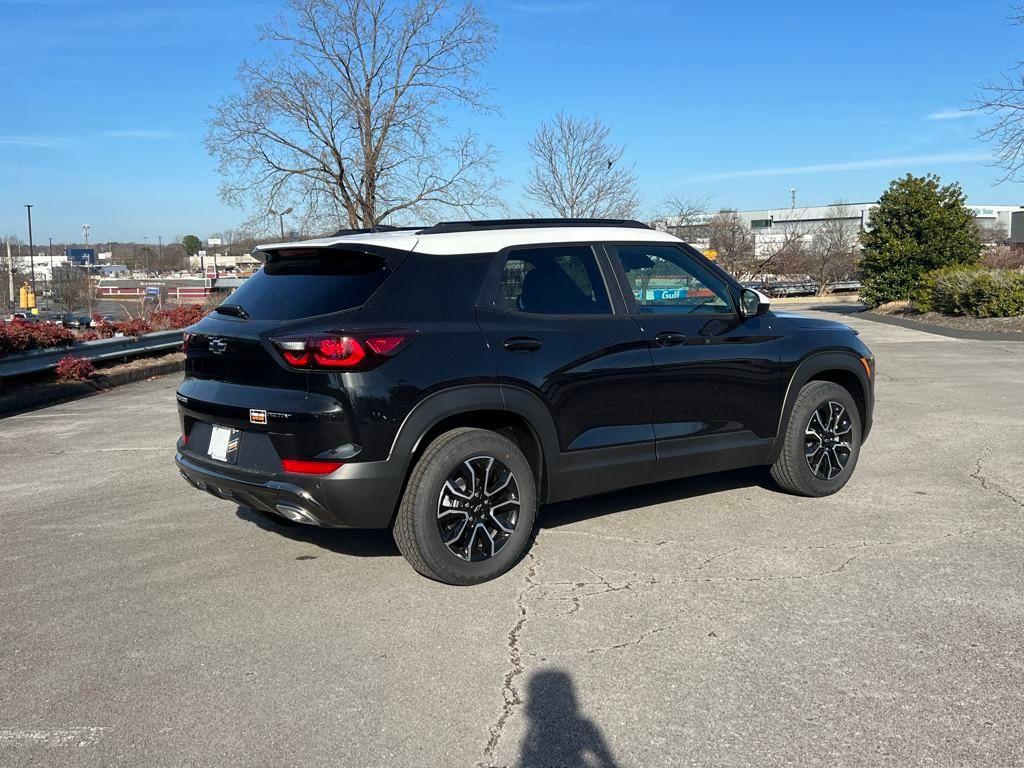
160, 250
85, 234
31, 256
51, 256
10, 275
792, 197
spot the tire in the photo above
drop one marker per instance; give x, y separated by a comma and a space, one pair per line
457, 479
794, 470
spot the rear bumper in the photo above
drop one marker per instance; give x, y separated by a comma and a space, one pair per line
358, 495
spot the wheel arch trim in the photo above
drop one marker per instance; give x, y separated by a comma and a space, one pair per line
813, 366
469, 398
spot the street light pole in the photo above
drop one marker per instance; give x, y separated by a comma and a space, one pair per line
281, 215
31, 256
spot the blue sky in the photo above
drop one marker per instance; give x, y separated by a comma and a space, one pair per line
105, 101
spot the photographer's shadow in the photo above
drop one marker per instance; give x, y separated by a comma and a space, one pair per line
558, 735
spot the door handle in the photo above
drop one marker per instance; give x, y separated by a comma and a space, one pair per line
524, 343
669, 338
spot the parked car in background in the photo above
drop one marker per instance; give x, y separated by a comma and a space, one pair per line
443, 381
75, 322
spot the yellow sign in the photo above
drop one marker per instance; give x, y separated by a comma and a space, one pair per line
711, 254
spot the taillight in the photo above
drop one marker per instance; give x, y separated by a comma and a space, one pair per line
185, 337
300, 467
344, 352
349, 352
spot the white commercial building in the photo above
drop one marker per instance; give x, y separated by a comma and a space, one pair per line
774, 227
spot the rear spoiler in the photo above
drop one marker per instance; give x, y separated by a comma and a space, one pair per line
265, 254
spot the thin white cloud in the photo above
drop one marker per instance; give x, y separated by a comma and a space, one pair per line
553, 9
137, 134
36, 141
950, 114
853, 165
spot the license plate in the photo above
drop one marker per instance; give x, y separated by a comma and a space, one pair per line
224, 444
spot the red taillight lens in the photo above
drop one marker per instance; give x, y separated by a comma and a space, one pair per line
384, 345
300, 467
352, 352
185, 337
345, 352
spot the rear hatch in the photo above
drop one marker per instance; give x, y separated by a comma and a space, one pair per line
236, 377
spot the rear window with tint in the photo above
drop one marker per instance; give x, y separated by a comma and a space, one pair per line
308, 286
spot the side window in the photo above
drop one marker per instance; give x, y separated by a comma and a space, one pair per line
553, 280
665, 281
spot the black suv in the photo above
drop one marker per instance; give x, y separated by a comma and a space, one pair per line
444, 381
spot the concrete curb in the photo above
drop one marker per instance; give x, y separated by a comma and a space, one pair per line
941, 330
58, 392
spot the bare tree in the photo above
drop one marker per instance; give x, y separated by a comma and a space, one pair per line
578, 171
75, 288
732, 239
346, 121
992, 233
833, 248
685, 217
1003, 100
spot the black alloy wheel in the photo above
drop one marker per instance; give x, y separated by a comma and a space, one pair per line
478, 508
827, 448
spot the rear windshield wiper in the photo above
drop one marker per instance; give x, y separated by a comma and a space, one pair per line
235, 310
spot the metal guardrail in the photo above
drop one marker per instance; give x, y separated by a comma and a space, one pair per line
40, 360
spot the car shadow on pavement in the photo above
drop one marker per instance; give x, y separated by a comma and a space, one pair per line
557, 733
358, 543
380, 543
589, 507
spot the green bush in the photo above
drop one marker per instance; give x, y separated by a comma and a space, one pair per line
919, 225
972, 291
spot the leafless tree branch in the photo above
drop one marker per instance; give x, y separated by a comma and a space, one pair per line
578, 171
347, 120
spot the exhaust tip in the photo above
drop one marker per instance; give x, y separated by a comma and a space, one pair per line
296, 514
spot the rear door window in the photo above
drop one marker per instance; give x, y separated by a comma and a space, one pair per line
307, 286
553, 280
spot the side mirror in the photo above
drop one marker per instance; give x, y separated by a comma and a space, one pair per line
753, 303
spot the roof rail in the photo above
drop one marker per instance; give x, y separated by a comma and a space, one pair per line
378, 228
486, 224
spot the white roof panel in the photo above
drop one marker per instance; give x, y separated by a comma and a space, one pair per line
483, 240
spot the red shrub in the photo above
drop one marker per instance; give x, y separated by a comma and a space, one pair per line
106, 330
89, 336
179, 317
71, 368
19, 336
134, 327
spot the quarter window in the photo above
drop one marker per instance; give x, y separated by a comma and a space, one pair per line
562, 280
664, 280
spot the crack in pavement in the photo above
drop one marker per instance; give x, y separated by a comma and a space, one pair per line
987, 485
624, 539
633, 643
510, 694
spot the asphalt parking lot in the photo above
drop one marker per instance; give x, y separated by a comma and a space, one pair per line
710, 622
